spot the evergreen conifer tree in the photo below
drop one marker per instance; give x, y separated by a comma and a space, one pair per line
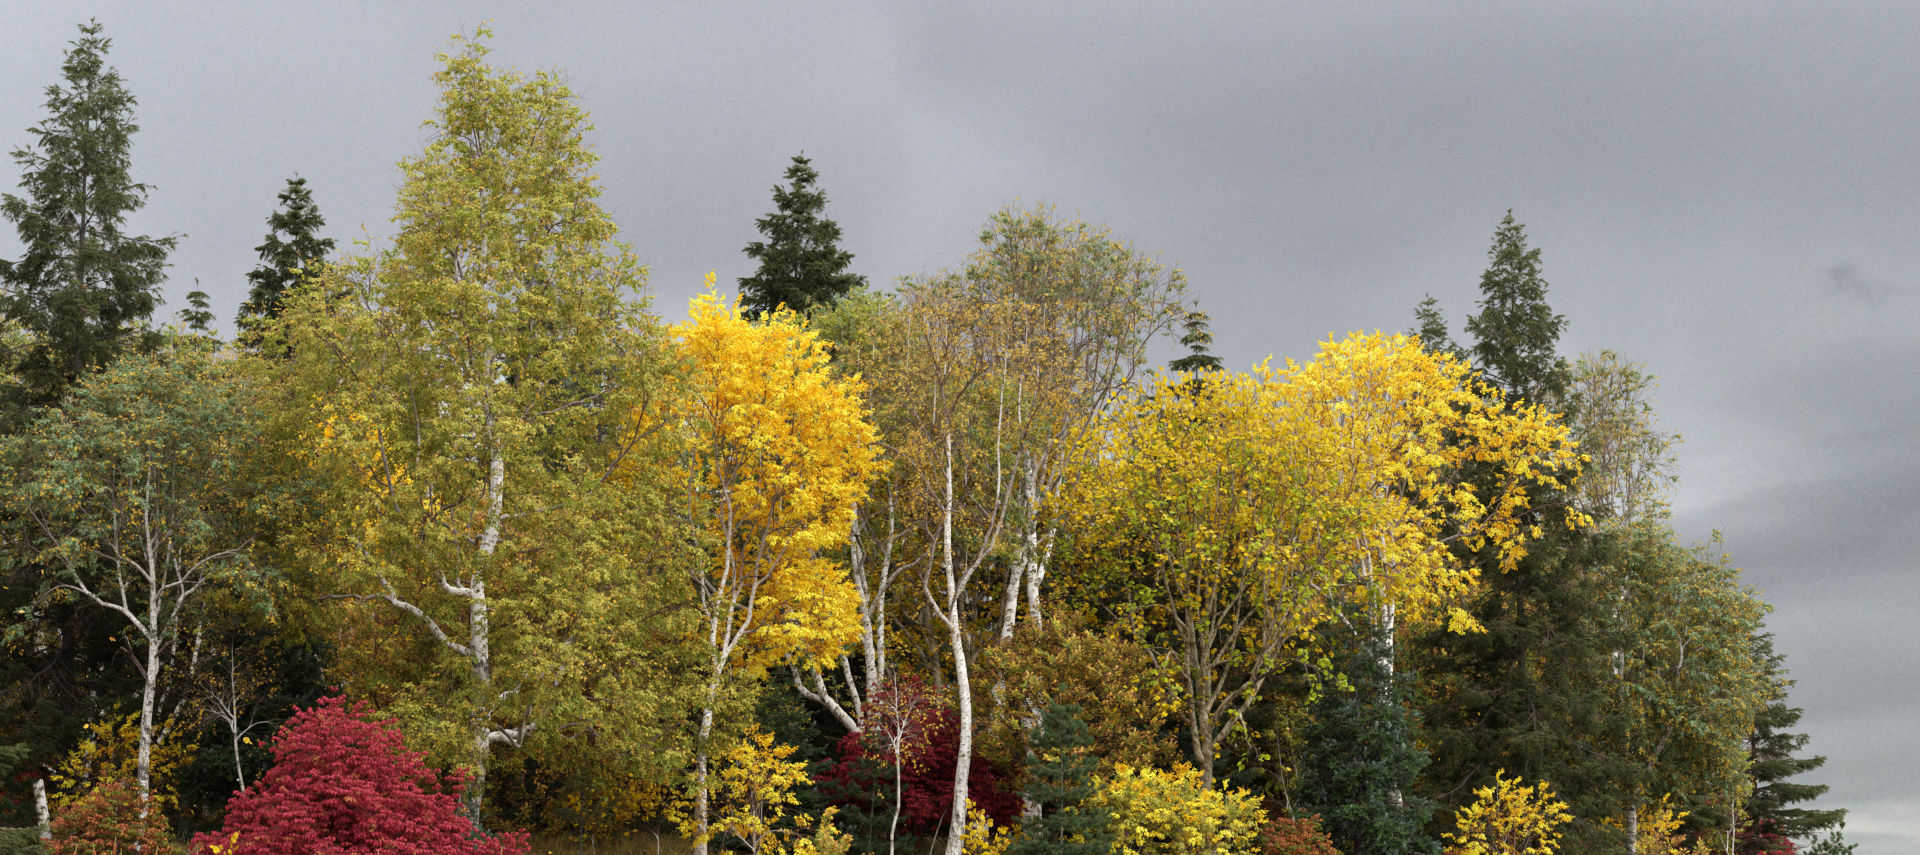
1527, 694
1516, 334
1061, 778
801, 263
1431, 328
1363, 762
283, 260
1195, 341
83, 286
1772, 750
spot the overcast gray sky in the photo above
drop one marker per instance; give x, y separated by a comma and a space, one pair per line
1731, 199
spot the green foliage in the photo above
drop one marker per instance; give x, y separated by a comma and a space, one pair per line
1195, 340
478, 409
1060, 777
1516, 332
1771, 751
83, 286
1430, 326
802, 265
284, 261
1363, 761
21, 841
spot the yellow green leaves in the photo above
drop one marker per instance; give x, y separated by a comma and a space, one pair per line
1154, 812
781, 451
1510, 818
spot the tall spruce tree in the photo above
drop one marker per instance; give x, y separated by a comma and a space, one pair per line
83, 286
292, 245
1528, 694
1772, 749
1060, 779
1516, 334
801, 263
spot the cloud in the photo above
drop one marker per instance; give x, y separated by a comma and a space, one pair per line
1844, 280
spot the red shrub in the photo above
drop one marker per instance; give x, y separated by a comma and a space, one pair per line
864, 771
106, 821
1285, 836
341, 783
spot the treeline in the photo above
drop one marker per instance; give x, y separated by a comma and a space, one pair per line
826, 567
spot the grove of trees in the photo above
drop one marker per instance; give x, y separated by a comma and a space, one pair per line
460, 540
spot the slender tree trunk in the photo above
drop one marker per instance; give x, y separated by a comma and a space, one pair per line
144, 767
963, 757
701, 800
1633, 830
41, 816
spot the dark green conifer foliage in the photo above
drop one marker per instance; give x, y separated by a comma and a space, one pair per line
1772, 749
83, 285
1516, 334
1362, 762
292, 245
197, 316
1527, 695
801, 263
1195, 341
1060, 779
1431, 328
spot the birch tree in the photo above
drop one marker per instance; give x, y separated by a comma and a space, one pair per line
470, 397
1235, 515
135, 493
780, 451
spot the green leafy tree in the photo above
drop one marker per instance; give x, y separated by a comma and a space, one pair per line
482, 402
801, 263
1061, 778
292, 248
83, 286
135, 495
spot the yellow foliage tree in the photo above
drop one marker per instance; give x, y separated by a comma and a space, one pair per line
109, 751
1153, 812
1509, 818
753, 793
780, 452
1238, 511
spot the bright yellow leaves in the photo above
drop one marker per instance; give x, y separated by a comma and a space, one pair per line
1510, 819
781, 453
1152, 812
1335, 479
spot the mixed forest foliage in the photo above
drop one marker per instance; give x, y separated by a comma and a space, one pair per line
461, 540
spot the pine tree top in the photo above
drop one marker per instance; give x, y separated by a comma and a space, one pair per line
801, 263
1516, 333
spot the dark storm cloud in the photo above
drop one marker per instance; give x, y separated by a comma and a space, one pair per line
1726, 194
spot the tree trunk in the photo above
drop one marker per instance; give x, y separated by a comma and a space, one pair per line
701, 799
144, 767
41, 816
1633, 830
963, 757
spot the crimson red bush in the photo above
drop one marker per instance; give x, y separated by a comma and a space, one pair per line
865, 771
342, 782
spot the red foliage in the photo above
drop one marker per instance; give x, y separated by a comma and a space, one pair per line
106, 821
1286, 836
1760, 837
342, 782
863, 774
